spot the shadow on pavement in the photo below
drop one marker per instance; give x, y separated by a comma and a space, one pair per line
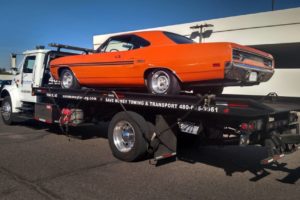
238, 159
87, 131
230, 158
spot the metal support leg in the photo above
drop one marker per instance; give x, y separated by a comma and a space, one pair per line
167, 140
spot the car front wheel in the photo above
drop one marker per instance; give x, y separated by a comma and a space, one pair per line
68, 80
162, 82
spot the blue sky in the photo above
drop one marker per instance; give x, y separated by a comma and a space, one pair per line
27, 23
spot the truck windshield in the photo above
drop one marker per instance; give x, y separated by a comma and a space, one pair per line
178, 39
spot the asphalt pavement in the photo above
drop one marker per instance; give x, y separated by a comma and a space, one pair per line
37, 162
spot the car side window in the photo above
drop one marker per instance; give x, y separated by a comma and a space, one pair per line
123, 43
139, 42
29, 64
119, 44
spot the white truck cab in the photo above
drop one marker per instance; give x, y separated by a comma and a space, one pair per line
32, 72
28, 74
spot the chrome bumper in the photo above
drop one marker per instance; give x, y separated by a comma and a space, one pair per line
241, 72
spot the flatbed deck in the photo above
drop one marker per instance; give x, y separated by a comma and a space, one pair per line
228, 105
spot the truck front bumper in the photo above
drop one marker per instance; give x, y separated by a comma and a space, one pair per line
246, 73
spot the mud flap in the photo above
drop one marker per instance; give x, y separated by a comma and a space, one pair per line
166, 150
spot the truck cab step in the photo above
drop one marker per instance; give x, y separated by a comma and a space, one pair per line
25, 108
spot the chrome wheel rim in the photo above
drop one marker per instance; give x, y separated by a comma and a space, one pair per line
160, 82
124, 136
6, 110
67, 80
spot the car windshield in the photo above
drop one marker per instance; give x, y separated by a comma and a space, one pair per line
178, 39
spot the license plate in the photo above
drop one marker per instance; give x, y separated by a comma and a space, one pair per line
253, 77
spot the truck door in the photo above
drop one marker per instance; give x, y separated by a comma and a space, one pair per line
26, 79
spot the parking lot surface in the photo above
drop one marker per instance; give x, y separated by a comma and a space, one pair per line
39, 163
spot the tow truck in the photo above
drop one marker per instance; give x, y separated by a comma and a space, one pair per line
142, 124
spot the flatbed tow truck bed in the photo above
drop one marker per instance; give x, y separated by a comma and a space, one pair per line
268, 121
218, 105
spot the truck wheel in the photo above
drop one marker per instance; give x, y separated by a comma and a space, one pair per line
6, 111
126, 136
68, 80
162, 81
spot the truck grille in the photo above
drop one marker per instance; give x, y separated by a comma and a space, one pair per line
242, 55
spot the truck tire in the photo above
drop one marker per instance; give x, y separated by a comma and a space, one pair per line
6, 111
161, 81
126, 136
68, 80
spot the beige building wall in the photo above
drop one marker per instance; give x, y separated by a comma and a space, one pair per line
6, 77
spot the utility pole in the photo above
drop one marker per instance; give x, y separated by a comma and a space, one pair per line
201, 27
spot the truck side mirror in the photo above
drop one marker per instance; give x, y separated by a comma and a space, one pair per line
13, 62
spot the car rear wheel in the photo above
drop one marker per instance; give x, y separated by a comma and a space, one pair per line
68, 80
162, 81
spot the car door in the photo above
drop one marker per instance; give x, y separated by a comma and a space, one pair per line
120, 56
114, 65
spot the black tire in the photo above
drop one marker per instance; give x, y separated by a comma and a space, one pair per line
173, 86
139, 126
209, 90
6, 111
72, 84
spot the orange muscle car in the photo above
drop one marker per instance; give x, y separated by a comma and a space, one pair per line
164, 63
